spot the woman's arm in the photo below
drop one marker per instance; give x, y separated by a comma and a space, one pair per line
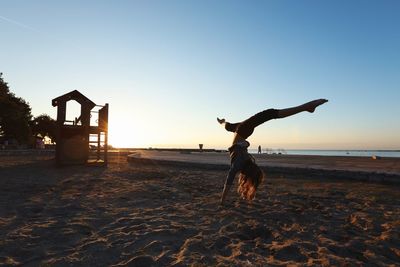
225, 192
236, 166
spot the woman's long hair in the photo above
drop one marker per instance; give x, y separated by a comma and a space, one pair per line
249, 179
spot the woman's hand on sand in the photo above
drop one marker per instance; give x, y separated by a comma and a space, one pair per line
221, 121
311, 106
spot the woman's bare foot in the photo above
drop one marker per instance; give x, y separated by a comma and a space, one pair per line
311, 106
221, 121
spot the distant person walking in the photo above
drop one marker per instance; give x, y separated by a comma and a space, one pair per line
259, 149
241, 161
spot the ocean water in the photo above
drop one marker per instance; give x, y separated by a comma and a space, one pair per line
349, 153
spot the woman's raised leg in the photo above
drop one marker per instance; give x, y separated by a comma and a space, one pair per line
230, 127
309, 106
246, 128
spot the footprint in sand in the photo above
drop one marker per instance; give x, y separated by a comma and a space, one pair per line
289, 253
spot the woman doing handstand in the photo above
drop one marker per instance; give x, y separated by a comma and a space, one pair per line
241, 161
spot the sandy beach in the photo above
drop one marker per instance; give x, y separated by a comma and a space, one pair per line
154, 213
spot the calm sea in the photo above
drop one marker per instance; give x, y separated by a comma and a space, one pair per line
350, 153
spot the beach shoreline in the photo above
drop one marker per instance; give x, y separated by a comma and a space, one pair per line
384, 170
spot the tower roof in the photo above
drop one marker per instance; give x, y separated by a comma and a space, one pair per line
73, 95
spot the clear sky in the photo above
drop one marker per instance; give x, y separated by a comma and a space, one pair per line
169, 68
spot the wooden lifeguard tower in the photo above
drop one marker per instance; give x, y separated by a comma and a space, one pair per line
79, 142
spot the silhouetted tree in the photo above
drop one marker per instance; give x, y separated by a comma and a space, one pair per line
43, 126
15, 115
